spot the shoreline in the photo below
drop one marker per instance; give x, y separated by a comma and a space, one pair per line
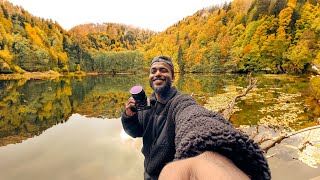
31, 75
48, 75
53, 75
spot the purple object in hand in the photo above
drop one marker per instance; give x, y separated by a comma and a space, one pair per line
142, 102
136, 89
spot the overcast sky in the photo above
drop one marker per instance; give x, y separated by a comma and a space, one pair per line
155, 15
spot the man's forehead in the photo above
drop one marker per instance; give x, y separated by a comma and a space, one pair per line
160, 64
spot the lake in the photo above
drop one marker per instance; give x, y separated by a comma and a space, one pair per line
69, 128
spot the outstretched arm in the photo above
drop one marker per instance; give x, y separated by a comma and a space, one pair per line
208, 165
199, 130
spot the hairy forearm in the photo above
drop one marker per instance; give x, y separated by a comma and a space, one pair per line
208, 165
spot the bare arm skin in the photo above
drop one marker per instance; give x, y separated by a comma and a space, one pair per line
208, 165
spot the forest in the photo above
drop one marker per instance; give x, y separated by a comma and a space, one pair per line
272, 36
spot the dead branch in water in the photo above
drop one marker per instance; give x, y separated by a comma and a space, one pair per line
228, 111
284, 135
268, 141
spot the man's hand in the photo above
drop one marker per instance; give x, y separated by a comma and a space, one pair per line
208, 165
131, 103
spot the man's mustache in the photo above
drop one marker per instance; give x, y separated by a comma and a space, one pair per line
158, 78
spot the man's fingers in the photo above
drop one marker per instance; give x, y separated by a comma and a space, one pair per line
130, 103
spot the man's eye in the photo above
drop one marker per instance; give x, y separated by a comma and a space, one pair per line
164, 70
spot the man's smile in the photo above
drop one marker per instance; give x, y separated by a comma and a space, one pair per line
158, 81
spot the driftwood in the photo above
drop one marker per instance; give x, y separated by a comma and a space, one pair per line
268, 141
284, 135
228, 111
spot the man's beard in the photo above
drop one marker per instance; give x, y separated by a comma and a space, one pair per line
162, 89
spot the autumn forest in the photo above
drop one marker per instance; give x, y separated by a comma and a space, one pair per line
272, 36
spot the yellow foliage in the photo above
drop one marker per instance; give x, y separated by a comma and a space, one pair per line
53, 54
18, 69
42, 35
21, 82
7, 24
225, 45
281, 33
4, 35
47, 107
65, 68
58, 93
67, 90
315, 86
63, 57
292, 3
32, 34
285, 16
317, 59
5, 55
78, 67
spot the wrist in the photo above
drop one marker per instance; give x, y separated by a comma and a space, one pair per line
128, 114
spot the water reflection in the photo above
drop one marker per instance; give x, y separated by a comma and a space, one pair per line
81, 148
279, 102
29, 107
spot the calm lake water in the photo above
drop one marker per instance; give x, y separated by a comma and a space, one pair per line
69, 128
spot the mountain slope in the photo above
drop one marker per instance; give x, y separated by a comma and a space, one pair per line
276, 36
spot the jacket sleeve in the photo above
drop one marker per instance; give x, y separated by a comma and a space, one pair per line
199, 130
131, 125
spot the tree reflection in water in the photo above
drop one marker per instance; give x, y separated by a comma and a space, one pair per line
33, 108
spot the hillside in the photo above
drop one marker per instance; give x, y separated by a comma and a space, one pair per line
273, 36
33, 44
109, 47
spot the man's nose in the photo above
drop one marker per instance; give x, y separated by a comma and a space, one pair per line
158, 73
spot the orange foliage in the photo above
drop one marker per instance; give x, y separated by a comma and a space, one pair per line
247, 49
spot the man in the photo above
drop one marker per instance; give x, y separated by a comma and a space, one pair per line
179, 134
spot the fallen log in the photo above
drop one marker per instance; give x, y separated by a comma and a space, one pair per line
228, 110
276, 140
265, 142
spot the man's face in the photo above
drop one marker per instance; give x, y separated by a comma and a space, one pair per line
160, 77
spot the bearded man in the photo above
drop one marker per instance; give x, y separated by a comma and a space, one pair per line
183, 140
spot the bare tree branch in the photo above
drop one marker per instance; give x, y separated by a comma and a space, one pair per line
264, 139
283, 135
228, 111
268, 141
254, 133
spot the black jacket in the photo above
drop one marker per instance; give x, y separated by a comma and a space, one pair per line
177, 127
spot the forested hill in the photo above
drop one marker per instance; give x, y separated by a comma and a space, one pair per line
29, 43
110, 37
277, 36
110, 47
